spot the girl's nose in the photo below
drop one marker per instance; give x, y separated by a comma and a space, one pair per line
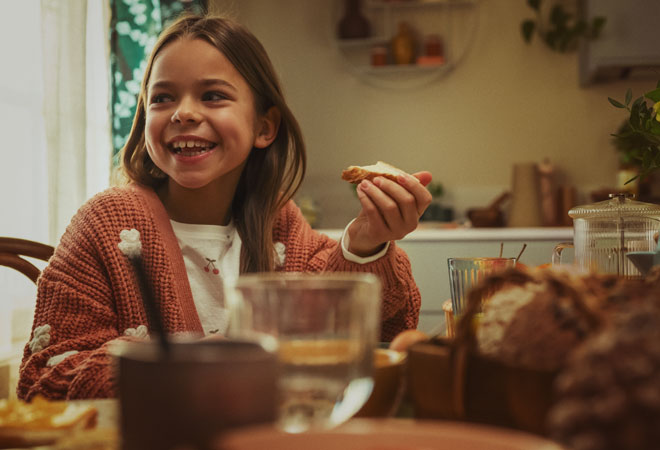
185, 113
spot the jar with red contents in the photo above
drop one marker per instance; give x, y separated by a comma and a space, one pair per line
379, 56
433, 45
433, 52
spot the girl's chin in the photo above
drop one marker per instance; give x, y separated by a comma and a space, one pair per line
189, 183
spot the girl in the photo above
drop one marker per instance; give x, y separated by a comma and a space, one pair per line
214, 158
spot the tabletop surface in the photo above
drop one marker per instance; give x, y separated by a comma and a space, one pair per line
357, 434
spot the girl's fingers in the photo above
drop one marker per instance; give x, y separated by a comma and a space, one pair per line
424, 177
416, 185
393, 208
409, 193
405, 200
387, 205
369, 209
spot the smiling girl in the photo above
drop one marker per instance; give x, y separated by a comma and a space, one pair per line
214, 158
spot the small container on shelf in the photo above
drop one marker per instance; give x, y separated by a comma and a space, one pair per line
433, 45
378, 56
403, 45
430, 60
433, 52
353, 25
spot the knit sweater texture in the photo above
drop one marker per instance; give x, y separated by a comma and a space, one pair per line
88, 296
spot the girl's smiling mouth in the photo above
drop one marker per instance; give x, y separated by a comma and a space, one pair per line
189, 147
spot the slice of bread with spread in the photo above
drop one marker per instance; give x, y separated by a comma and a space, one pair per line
355, 174
42, 422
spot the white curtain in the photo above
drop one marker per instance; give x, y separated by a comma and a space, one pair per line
75, 105
23, 173
54, 120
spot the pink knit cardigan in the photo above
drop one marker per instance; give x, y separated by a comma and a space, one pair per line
87, 295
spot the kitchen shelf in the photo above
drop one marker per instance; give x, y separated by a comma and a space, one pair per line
367, 42
454, 21
402, 69
417, 4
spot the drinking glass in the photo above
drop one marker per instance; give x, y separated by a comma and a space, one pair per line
324, 329
464, 273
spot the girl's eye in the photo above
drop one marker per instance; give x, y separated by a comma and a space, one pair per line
161, 98
213, 96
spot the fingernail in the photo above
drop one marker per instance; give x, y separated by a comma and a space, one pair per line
364, 185
378, 181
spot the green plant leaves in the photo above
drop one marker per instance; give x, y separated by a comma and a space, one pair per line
635, 119
534, 4
653, 95
654, 127
527, 29
436, 189
559, 17
597, 25
563, 31
638, 140
616, 103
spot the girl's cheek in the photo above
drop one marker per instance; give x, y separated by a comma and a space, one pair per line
149, 128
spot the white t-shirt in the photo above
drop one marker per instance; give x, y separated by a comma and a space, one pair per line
211, 254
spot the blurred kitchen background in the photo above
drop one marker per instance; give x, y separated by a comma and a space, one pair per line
497, 101
504, 102
482, 106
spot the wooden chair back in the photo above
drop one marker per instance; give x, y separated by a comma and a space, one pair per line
13, 252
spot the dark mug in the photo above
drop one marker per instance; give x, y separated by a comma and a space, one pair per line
187, 397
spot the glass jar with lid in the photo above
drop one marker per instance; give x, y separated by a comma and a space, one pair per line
604, 232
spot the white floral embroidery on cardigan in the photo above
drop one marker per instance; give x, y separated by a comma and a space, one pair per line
280, 253
130, 244
55, 360
40, 339
139, 332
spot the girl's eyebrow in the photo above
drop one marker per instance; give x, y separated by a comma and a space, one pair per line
164, 84
215, 81
160, 85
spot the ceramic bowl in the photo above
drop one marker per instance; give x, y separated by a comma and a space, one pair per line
389, 373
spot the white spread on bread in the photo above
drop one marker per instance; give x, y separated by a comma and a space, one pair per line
355, 174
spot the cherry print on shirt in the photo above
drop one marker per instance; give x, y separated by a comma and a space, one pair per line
210, 266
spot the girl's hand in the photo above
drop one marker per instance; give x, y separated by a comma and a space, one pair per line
390, 210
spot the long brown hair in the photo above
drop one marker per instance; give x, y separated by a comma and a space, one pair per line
271, 176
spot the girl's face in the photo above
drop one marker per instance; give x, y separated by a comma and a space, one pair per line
201, 122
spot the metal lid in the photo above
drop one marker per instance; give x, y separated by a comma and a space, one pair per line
619, 205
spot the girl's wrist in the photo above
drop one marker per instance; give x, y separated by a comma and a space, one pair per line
361, 246
364, 249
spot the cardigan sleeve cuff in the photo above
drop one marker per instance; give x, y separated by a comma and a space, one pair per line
345, 243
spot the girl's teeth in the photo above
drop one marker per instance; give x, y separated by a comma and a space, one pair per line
191, 144
185, 151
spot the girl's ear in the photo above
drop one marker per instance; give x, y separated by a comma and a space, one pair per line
268, 126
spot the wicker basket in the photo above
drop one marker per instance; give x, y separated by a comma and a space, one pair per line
449, 379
